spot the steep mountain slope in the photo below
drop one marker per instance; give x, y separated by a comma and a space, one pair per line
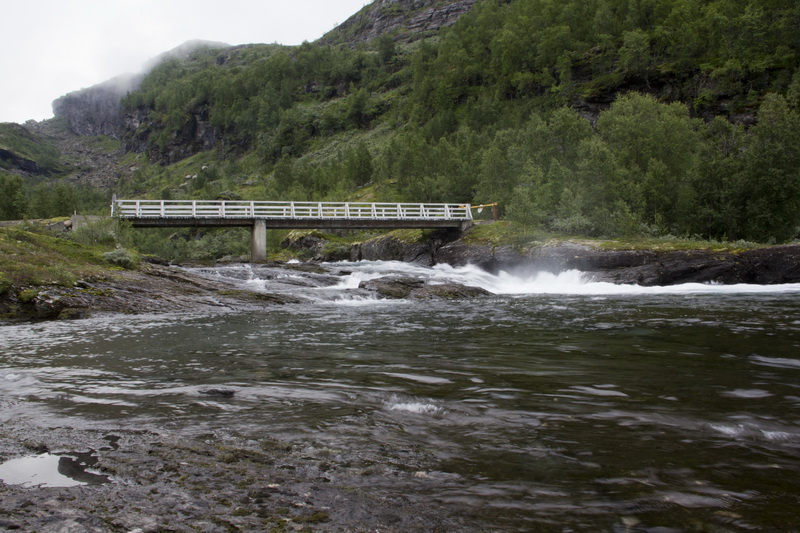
27, 152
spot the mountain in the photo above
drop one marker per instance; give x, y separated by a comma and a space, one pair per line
602, 117
404, 20
97, 110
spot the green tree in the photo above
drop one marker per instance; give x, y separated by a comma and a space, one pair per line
634, 55
387, 49
716, 209
657, 146
358, 165
495, 177
12, 197
769, 186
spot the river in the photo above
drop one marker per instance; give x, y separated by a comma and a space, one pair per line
557, 404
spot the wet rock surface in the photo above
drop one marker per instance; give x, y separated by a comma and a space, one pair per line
163, 480
400, 287
391, 249
152, 289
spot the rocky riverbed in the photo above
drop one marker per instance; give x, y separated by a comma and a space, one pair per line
159, 479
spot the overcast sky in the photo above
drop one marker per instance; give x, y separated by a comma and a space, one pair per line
53, 47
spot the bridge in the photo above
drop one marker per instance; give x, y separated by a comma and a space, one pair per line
260, 216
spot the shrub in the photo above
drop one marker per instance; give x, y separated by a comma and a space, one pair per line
5, 284
28, 295
104, 232
123, 258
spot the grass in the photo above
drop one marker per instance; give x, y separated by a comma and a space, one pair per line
671, 244
29, 256
506, 233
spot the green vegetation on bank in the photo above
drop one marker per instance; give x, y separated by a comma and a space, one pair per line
42, 198
32, 256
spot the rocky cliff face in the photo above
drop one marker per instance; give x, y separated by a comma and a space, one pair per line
408, 19
195, 135
97, 110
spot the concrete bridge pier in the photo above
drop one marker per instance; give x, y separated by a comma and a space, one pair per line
258, 240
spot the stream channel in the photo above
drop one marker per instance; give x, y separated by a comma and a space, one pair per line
555, 404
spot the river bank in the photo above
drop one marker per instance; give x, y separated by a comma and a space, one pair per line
598, 260
155, 286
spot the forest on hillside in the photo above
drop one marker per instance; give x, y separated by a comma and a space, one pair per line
602, 118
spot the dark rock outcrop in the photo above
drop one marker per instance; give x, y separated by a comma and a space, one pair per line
98, 110
402, 287
195, 134
16, 161
391, 248
764, 266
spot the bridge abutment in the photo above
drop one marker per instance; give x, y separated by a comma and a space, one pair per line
258, 240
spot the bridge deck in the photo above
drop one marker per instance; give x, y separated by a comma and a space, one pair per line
291, 215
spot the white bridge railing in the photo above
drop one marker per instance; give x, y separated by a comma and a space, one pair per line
288, 210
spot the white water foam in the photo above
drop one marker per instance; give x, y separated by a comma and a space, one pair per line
413, 405
570, 282
518, 283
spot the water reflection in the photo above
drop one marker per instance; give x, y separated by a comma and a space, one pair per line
47, 470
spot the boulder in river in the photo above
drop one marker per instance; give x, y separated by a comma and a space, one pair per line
400, 287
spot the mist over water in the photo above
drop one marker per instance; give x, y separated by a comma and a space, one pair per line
556, 404
532, 282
